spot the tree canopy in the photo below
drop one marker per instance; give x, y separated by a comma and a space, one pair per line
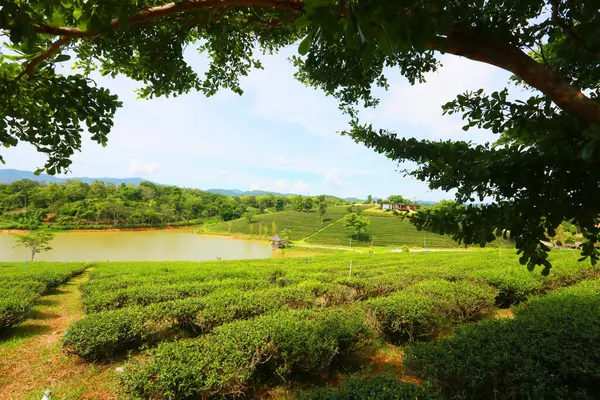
36, 242
543, 169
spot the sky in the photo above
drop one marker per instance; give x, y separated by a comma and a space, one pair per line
278, 136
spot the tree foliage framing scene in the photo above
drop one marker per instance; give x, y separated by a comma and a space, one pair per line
409, 310
542, 170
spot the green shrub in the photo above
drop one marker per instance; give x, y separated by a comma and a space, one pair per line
423, 310
513, 283
20, 286
459, 301
404, 316
238, 354
104, 334
108, 333
370, 388
15, 306
548, 351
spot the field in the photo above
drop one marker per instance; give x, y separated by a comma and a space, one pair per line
363, 324
282, 328
301, 224
385, 229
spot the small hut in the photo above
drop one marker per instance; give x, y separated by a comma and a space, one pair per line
277, 242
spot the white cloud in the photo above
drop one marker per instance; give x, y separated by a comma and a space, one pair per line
332, 179
140, 167
281, 185
421, 104
279, 98
300, 187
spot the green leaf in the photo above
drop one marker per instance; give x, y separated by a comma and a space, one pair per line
305, 44
588, 151
77, 13
62, 58
384, 44
302, 22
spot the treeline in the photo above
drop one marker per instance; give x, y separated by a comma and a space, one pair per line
74, 204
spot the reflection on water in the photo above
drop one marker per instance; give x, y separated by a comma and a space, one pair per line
157, 245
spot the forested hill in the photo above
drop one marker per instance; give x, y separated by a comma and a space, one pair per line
74, 204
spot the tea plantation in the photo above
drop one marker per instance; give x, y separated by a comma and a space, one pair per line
385, 229
21, 285
227, 329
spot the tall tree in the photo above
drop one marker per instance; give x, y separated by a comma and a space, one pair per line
279, 204
544, 168
35, 241
308, 203
357, 224
369, 199
322, 204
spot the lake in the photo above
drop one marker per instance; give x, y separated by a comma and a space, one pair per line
154, 245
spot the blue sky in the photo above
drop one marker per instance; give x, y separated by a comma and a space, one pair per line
279, 136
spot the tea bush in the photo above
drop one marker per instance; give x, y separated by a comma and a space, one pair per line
188, 299
370, 388
21, 285
238, 354
548, 351
423, 310
105, 334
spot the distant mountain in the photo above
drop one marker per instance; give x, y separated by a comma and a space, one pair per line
12, 175
426, 202
237, 192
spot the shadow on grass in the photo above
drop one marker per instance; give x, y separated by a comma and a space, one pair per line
23, 331
55, 292
46, 302
41, 314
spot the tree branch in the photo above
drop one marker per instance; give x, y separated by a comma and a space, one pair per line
146, 15
477, 47
171, 9
54, 47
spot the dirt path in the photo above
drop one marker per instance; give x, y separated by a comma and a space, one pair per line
31, 357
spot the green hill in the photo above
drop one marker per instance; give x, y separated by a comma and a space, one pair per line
385, 229
301, 224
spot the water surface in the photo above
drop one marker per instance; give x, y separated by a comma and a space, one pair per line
157, 245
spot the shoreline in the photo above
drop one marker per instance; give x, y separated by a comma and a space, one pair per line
139, 229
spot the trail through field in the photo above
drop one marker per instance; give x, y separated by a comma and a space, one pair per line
322, 229
31, 356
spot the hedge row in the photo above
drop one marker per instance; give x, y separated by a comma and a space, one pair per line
370, 388
21, 285
239, 354
422, 311
126, 284
147, 294
548, 351
105, 334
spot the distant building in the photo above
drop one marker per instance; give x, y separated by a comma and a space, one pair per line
398, 207
277, 242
